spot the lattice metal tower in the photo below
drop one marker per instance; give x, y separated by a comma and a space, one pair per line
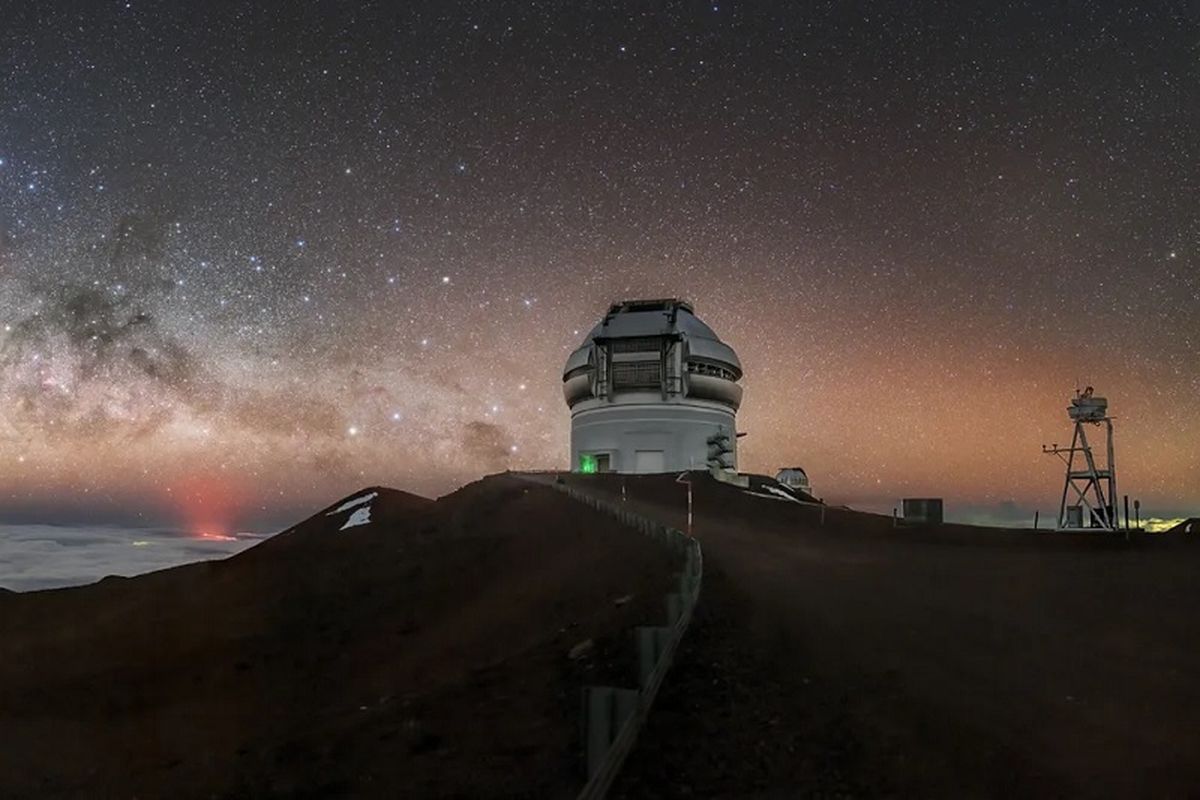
1089, 496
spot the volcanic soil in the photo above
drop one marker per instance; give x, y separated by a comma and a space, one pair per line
424, 654
854, 659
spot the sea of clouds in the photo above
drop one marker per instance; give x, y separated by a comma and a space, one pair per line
53, 556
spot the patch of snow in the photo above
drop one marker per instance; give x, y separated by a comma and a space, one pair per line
770, 496
357, 501
360, 517
781, 493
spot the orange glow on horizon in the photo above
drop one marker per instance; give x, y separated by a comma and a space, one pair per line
208, 506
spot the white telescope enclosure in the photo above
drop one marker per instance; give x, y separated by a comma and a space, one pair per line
648, 389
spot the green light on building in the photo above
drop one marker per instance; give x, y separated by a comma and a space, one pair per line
588, 464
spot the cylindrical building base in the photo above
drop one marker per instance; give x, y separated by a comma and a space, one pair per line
647, 438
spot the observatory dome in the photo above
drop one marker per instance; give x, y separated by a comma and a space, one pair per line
795, 478
652, 389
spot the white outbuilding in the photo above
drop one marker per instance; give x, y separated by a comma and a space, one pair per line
794, 478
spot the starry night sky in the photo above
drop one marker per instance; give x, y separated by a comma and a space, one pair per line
254, 256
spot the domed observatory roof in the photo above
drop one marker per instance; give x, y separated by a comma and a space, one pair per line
794, 478
648, 387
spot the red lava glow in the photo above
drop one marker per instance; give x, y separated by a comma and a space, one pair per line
208, 506
214, 536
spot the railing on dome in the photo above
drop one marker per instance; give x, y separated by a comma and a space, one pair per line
637, 375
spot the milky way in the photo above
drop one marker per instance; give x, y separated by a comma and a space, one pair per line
254, 258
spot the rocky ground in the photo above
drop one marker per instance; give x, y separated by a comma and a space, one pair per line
425, 654
854, 659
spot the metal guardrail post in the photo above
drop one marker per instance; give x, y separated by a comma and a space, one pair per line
674, 608
598, 720
608, 709
650, 640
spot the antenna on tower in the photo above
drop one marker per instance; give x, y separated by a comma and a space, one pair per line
1090, 487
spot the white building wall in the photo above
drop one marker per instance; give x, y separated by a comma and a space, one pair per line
679, 430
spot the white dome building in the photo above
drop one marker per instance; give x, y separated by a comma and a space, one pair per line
652, 389
794, 478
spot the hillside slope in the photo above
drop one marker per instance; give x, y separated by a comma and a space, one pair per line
420, 654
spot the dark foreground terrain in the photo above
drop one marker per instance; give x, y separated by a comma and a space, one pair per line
421, 655
857, 660
424, 655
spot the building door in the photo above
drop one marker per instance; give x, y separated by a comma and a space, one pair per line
646, 461
594, 462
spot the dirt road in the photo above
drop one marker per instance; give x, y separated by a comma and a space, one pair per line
854, 659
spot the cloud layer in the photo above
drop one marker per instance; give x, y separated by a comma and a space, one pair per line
50, 556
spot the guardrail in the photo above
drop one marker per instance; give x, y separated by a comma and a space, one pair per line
613, 716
